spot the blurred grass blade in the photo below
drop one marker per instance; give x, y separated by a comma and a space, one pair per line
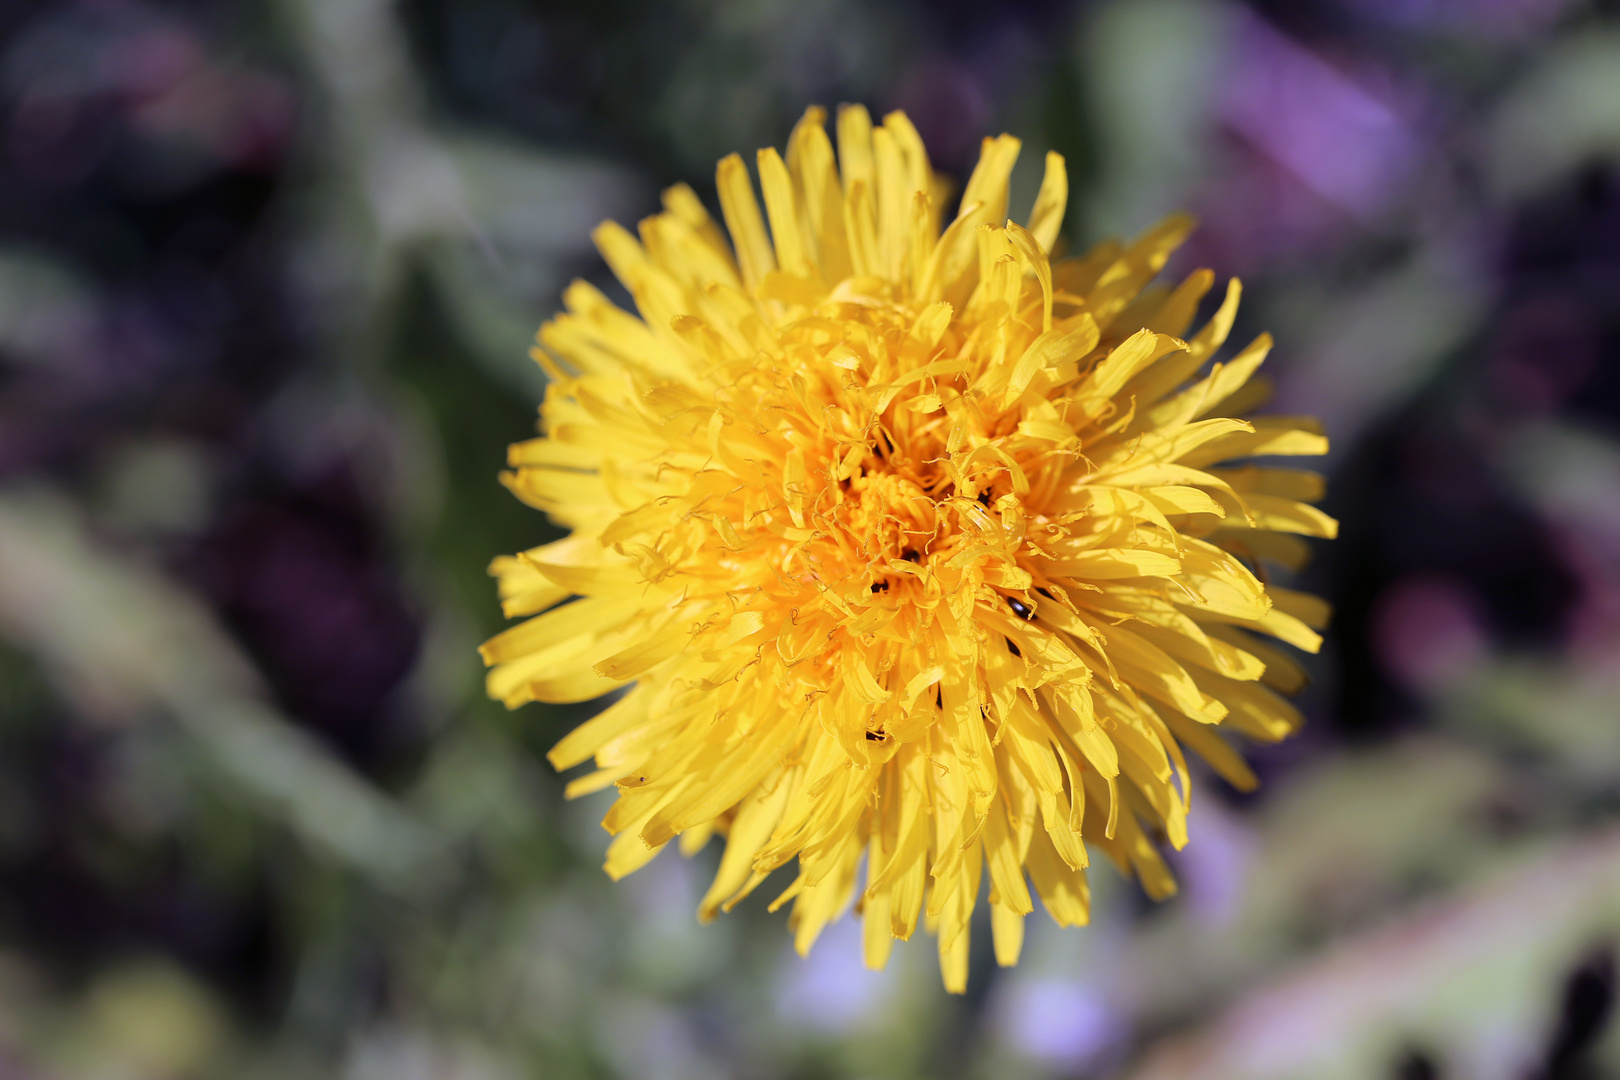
123, 642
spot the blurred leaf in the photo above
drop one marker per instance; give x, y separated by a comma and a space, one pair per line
121, 641
1469, 977
1563, 112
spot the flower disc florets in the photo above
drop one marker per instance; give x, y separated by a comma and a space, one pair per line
913, 543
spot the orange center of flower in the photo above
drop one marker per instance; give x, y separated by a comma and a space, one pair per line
860, 474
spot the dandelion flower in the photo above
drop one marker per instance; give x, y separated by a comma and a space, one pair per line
914, 544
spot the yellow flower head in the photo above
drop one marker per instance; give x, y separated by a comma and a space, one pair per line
912, 543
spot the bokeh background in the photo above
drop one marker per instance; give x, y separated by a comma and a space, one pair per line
268, 274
